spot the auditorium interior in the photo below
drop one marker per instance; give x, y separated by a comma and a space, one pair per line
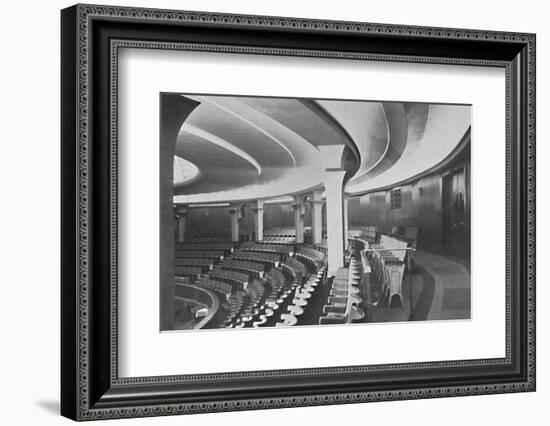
282, 212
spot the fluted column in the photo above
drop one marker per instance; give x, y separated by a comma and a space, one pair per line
181, 223
317, 217
259, 220
235, 216
298, 219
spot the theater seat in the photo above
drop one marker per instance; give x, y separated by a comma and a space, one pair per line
333, 318
337, 309
356, 314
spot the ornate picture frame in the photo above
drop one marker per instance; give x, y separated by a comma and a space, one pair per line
91, 37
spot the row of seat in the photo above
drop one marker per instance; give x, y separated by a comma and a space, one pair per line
265, 314
296, 265
269, 314
254, 297
236, 302
251, 267
262, 311
268, 248
253, 300
372, 233
218, 286
280, 232
267, 258
239, 280
322, 247
232, 278
233, 275
312, 258
200, 254
315, 254
301, 296
218, 246
257, 301
189, 271
278, 240
344, 300
204, 264
209, 239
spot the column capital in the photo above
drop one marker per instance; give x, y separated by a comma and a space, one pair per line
332, 156
335, 176
181, 209
317, 194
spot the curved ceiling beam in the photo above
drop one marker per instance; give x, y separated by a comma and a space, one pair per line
185, 172
416, 115
299, 182
366, 124
332, 122
461, 147
222, 143
253, 125
397, 138
387, 145
429, 143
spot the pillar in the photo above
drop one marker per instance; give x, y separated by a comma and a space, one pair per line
333, 179
235, 216
346, 232
317, 217
298, 219
259, 220
181, 223
174, 111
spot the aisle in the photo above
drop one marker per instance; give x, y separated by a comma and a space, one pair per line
451, 296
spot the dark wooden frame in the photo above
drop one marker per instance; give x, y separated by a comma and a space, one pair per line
90, 386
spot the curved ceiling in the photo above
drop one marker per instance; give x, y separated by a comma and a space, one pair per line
253, 147
432, 136
258, 148
366, 124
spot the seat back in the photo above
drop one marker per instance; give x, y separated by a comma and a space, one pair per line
396, 246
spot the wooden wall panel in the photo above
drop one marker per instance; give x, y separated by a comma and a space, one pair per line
420, 206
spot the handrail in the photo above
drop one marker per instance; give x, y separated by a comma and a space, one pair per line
391, 249
212, 310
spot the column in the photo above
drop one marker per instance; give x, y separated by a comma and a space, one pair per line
333, 180
259, 218
174, 111
181, 222
346, 233
298, 219
317, 217
235, 216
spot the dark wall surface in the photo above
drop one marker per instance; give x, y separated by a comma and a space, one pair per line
421, 206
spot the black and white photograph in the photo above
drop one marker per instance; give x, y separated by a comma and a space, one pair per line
260, 213
286, 212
